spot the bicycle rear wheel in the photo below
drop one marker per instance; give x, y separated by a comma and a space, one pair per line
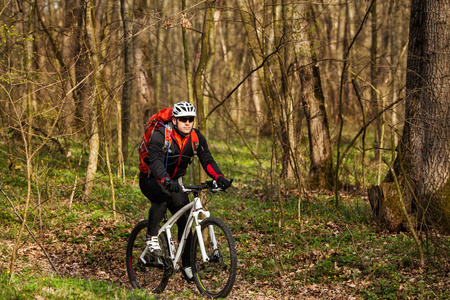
215, 277
154, 273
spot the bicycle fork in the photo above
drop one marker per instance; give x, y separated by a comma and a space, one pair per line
212, 238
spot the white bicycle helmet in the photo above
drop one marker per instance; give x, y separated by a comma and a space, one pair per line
184, 109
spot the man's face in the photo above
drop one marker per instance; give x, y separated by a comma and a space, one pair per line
184, 124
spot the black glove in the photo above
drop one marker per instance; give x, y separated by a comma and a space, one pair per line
223, 183
172, 186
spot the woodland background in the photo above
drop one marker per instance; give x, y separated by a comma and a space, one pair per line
302, 102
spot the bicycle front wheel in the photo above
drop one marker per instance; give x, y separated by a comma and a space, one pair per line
215, 277
150, 273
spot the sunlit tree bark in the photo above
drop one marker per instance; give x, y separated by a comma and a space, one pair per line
158, 52
69, 56
321, 173
187, 68
94, 137
128, 81
208, 24
423, 162
282, 32
199, 75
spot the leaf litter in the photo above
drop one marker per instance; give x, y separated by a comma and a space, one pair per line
296, 268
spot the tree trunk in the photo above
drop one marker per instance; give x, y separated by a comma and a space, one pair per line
94, 138
69, 57
128, 76
199, 76
216, 13
186, 59
373, 80
282, 29
423, 162
202, 64
321, 171
159, 73
81, 71
27, 132
321, 174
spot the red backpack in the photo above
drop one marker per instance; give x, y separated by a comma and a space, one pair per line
162, 118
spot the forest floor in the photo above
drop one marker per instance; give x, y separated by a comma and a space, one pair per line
328, 254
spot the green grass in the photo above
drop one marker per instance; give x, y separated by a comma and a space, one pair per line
29, 286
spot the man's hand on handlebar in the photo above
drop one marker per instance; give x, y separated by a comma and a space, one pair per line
223, 183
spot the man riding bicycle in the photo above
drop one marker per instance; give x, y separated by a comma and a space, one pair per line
161, 180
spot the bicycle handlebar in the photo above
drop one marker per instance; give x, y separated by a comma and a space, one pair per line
210, 184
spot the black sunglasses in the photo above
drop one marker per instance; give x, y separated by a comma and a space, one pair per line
185, 119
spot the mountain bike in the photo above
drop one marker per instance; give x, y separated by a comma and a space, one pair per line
213, 252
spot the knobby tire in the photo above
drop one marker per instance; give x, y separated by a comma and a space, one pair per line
153, 275
214, 278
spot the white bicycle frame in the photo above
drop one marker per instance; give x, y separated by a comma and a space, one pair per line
196, 210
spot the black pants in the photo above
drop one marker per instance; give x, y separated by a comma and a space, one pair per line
161, 200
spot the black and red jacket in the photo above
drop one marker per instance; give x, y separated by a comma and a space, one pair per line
173, 162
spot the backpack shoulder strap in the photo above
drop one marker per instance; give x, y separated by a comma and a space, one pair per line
195, 142
168, 137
